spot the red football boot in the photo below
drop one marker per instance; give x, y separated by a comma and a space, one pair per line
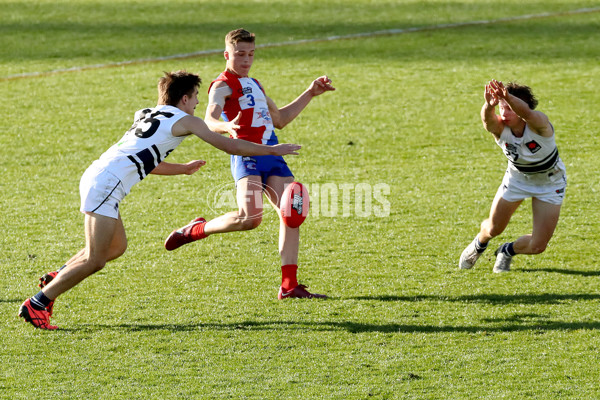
47, 278
299, 292
44, 281
38, 318
183, 235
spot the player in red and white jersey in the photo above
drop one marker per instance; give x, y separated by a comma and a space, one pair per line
249, 114
244, 96
155, 133
534, 171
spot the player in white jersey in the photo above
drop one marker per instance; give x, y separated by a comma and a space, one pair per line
534, 171
154, 134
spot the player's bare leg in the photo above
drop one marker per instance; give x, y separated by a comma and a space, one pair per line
500, 214
248, 216
545, 219
250, 207
50, 275
289, 243
289, 238
105, 237
117, 248
105, 240
499, 217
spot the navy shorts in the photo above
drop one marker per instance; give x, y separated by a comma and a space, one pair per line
263, 166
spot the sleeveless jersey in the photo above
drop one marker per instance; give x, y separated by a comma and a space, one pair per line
147, 143
530, 154
248, 97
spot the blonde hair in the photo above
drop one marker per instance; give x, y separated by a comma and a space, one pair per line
239, 35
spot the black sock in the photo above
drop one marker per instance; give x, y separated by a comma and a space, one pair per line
40, 301
480, 247
508, 249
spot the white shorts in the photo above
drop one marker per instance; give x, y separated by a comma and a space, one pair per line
101, 192
551, 191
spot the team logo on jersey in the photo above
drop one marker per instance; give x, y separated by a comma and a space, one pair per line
264, 114
247, 90
533, 146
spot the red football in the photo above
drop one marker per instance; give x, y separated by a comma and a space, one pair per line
294, 204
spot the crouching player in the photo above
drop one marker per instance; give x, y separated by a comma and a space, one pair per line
534, 171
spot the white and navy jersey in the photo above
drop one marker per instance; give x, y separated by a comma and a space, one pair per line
530, 154
146, 144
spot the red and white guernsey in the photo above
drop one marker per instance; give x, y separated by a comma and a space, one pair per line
248, 96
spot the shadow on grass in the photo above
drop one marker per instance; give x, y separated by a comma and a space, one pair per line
538, 325
11, 300
564, 271
544, 298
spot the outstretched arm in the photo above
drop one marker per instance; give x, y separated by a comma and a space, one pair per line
286, 114
211, 118
537, 120
193, 125
165, 168
491, 121
218, 95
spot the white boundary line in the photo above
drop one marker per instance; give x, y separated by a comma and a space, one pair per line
386, 32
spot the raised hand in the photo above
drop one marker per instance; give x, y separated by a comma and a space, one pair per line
490, 97
498, 89
320, 85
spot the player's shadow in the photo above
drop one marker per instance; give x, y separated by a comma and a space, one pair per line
563, 271
519, 323
11, 300
512, 323
543, 298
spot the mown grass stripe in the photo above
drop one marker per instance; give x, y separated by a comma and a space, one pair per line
386, 32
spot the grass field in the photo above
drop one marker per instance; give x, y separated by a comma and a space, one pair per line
203, 322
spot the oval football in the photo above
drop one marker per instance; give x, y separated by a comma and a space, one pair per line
294, 204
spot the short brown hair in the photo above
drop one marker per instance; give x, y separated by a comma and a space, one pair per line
522, 92
174, 85
239, 35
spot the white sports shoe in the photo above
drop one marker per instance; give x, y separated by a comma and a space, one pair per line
502, 262
469, 256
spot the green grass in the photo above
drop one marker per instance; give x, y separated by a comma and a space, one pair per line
203, 322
